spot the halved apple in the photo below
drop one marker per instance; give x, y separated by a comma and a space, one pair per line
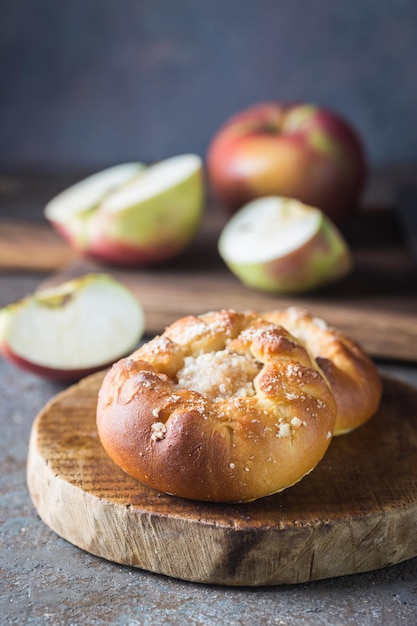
280, 245
133, 214
66, 332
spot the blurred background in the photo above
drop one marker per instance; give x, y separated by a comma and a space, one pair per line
93, 82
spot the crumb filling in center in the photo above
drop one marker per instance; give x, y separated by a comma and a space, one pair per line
219, 375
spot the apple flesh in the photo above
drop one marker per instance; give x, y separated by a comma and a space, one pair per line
281, 245
298, 151
132, 214
72, 211
66, 332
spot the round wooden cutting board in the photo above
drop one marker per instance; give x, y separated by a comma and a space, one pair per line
357, 511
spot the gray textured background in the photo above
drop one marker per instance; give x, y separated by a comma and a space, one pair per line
89, 82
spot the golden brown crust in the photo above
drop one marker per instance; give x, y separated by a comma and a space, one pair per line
352, 376
223, 407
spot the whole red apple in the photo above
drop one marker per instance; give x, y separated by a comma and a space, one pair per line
299, 151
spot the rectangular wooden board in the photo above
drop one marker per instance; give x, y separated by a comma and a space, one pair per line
376, 304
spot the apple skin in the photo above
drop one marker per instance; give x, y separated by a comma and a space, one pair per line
320, 261
299, 151
151, 232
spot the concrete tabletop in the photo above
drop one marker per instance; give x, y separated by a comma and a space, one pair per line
46, 580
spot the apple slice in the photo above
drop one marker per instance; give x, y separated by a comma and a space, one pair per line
281, 245
72, 209
150, 217
66, 332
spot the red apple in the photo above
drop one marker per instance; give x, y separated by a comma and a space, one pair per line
299, 151
131, 214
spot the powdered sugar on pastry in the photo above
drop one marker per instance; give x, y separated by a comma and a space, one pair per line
225, 407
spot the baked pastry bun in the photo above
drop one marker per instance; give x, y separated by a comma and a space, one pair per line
224, 407
352, 376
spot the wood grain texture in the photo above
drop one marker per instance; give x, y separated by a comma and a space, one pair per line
357, 511
32, 247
